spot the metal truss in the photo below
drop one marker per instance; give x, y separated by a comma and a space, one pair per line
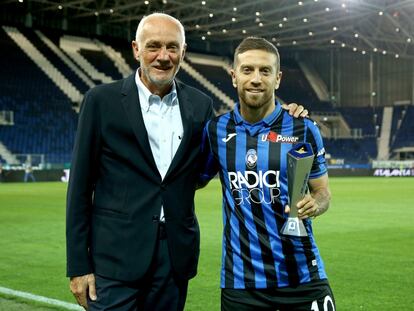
364, 26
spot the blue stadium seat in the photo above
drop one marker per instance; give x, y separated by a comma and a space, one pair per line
45, 122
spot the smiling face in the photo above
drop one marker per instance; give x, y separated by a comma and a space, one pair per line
256, 77
160, 49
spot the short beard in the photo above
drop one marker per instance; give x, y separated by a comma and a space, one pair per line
256, 104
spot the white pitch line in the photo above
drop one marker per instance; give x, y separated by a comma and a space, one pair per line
49, 301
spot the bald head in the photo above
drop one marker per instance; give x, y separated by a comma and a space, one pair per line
159, 47
156, 18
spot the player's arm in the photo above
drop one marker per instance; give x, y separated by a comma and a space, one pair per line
317, 202
207, 163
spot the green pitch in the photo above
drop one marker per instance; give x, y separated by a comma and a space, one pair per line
366, 240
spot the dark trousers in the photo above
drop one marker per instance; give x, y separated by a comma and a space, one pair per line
310, 297
158, 291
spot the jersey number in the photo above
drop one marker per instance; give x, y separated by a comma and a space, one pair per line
326, 302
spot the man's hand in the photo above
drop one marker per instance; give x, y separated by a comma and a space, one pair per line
80, 286
296, 110
307, 207
317, 202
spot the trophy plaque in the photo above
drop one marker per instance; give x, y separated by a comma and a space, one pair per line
299, 162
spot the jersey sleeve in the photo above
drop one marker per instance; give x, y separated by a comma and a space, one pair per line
314, 137
208, 163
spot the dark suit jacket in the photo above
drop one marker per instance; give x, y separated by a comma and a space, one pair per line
115, 191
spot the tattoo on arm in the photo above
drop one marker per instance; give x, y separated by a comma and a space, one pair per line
322, 197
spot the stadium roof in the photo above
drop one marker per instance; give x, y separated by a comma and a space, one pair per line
363, 26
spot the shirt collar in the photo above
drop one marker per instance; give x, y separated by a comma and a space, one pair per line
169, 99
267, 121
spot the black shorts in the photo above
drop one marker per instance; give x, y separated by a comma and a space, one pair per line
315, 296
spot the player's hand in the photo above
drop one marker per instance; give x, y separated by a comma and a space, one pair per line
296, 110
80, 286
307, 207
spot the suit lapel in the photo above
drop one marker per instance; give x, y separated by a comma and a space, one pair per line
186, 110
130, 101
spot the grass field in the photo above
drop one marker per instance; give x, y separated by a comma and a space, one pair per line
366, 240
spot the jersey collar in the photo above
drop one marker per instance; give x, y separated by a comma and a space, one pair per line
268, 121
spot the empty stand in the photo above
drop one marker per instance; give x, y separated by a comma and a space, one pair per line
116, 58
220, 77
366, 118
43, 63
187, 79
40, 43
66, 60
101, 63
74, 47
357, 151
225, 102
45, 123
294, 86
405, 134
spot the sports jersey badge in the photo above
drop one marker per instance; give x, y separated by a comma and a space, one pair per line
251, 158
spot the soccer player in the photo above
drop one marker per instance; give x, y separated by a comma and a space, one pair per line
261, 268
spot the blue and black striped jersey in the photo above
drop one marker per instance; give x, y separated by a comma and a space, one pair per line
251, 160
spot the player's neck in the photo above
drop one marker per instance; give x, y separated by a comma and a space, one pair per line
256, 114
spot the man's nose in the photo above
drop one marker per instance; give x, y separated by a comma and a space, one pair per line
256, 78
163, 54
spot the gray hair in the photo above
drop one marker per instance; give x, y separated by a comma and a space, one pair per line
141, 24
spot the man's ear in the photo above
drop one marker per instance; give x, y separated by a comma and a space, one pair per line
184, 50
135, 50
278, 79
233, 78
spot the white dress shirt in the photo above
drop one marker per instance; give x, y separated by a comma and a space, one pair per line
162, 118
